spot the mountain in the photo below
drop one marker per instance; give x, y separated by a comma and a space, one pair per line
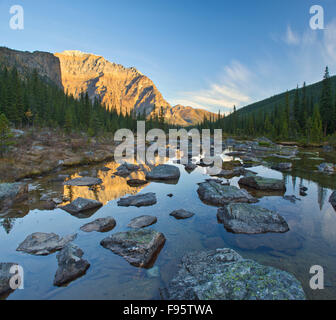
188, 116
46, 64
124, 89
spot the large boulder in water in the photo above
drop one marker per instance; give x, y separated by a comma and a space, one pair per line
100, 225
83, 182
214, 193
182, 214
332, 199
223, 274
282, 166
164, 172
140, 200
139, 247
42, 244
70, 265
142, 222
261, 183
11, 192
126, 169
81, 205
250, 219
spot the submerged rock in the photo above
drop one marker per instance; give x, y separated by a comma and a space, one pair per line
81, 204
214, 193
164, 172
139, 247
223, 274
292, 198
332, 199
250, 219
42, 244
141, 200
83, 182
70, 265
326, 167
282, 166
182, 214
327, 148
100, 225
261, 183
136, 182
12, 192
5, 277
142, 222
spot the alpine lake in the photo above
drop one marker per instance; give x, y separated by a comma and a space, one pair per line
310, 217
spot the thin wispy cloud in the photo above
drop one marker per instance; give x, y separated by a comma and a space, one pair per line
222, 94
291, 37
314, 50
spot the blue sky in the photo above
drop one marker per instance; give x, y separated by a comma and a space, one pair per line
210, 54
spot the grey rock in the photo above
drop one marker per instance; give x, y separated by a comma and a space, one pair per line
332, 199
141, 200
5, 277
214, 193
136, 182
235, 153
126, 169
48, 205
142, 222
57, 201
70, 265
105, 169
327, 148
261, 183
139, 247
100, 225
326, 168
249, 219
182, 214
282, 166
42, 244
81, 205
223, 274
83, 182
164, 172
292, 198
190, 167
12, 192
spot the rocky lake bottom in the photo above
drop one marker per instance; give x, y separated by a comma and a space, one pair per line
310, 217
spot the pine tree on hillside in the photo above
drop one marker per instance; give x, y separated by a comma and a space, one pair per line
326, 105
6, 137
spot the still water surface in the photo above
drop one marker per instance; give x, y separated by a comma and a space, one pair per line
310, 241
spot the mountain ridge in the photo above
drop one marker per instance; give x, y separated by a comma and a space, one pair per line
125, 90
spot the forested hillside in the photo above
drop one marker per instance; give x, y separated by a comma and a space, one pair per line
34, 102
306, 113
